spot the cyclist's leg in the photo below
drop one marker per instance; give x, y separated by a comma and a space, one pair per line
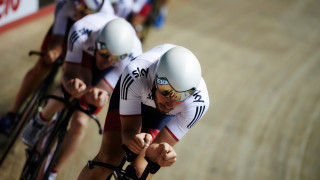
40, 121
33, 77
73, 137
52, 106
77, 129
29, 84
110, 152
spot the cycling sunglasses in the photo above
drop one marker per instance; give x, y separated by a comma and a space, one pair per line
104, 52
164, 87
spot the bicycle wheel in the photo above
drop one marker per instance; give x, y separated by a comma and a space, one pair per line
37, 158
29, 110
53, 154
44, 154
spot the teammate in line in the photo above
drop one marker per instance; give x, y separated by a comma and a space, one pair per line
53, 46
100, 45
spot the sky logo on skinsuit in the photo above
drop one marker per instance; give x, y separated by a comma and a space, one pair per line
197, 97
199, 112
75, 36
85, 31
139, 73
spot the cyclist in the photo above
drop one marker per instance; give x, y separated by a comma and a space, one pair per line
100, 45
137, 12
53, 46
158, 98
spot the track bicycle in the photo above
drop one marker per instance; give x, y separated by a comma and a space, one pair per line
30, 106
129, 173
42, 156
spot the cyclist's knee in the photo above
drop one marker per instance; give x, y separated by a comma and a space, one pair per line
79, 123
46, 62
110, 156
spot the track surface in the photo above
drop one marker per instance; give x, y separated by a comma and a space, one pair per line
261, 62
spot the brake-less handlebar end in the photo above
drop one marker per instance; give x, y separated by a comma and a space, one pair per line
90, 165
36, 53
131, 156
153, 166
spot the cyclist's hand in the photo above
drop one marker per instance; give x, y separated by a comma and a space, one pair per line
97, 97
165, 154
76, 87
139, 142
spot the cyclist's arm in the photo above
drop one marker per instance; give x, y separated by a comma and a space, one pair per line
77, 73
76, 79
99, 95
131, 133
161, 150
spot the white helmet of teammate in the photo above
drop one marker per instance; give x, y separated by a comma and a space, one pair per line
180, 70
89, 5
117, 37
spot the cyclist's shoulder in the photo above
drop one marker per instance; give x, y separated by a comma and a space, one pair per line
201, 96
153, 55
90, 24
95, 20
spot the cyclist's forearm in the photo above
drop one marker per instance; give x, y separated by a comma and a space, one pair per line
76, 79
162, 153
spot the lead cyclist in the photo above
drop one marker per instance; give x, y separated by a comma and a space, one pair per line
158, 98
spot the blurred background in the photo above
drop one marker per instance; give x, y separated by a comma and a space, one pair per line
261, 63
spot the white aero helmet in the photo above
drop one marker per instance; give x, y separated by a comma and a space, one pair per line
89, 6
178, 73
117, 38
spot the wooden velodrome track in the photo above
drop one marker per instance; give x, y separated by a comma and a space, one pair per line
261, 62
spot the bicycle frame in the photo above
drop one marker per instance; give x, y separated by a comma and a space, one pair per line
37, 155
130, 172
31, 106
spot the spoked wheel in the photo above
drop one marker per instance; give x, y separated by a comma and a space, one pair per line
30, 109
38, 164
31, 166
